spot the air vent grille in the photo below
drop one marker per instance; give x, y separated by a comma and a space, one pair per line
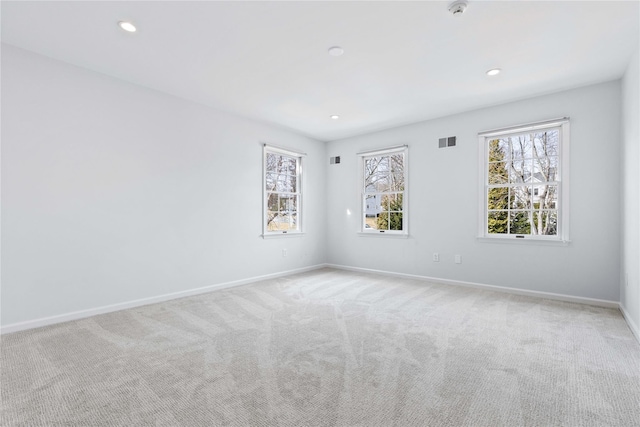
447, 142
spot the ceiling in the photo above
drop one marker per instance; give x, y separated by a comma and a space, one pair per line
404, 62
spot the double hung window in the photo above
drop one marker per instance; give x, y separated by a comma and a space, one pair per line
384, 191
282, 191
524, 189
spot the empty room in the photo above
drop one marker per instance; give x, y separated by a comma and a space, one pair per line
320, 213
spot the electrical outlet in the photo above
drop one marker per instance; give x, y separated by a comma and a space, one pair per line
284, 253
458, 259
436, 257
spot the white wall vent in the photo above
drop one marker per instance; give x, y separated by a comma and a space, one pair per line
447, 142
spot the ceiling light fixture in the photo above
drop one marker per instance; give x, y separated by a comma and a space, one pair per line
336, 51
335, 116
493, 72
127, 26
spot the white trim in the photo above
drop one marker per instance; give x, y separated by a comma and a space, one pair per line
276, 234
523, 241
504, 289
76, 315
482, 179
381, 151
563, 186
634, 328
285, 151
384, 233
525, 127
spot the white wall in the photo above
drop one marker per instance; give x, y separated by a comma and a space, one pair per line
630, 160
443, 201
112, 192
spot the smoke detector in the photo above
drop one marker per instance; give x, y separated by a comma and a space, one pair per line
457, 8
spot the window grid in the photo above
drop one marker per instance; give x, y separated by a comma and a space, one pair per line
383, 189
282, 192
523, 187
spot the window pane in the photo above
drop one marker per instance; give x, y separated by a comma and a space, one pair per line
395, 221
271, 224
553, 168
371, 223
498, 222
520, 171
519, 223
396, 181
545, 223
286, 184
545, 169
498, 150
271, 162
498, 173
392, 202
275, 223
520, 198
387, 201
545, 144
372, 205
383, 164
399, 202
521, 147
370, 167
547, 197
382, 222
283, 222
287, 165
497, 198
396, 163
270, 180
272, 202
379, 183
287, 204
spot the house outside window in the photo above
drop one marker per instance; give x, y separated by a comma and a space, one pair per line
282, 187
384, 191
525, 186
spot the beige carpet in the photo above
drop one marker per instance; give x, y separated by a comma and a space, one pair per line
329, 348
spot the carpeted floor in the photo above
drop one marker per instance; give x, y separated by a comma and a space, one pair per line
329, 348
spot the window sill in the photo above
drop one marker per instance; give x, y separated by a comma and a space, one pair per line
277, 235
378, 234
525, 241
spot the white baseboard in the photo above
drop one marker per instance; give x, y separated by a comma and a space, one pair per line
538, 294
630, 322
45, 321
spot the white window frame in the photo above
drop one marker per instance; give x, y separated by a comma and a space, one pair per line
562, 178
404, 150
270, 149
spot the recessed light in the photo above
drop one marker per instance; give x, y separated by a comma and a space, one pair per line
336, 51
493, 72
127, 26
335, 116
